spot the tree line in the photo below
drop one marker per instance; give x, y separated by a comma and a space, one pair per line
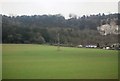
43, 29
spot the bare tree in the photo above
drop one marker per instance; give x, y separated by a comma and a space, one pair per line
58, 39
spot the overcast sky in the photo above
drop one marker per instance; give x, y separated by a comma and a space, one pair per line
64, 7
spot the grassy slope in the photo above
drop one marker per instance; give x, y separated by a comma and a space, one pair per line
41, 61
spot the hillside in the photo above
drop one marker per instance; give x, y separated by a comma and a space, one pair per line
45, 28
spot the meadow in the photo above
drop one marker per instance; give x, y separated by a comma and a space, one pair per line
0, 61
34, 61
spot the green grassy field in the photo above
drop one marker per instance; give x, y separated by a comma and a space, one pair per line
45, 62
0, 61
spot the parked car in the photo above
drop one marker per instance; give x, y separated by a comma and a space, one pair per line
91, 46
80, 46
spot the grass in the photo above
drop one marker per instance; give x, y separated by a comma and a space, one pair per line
27, 61
0, 61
